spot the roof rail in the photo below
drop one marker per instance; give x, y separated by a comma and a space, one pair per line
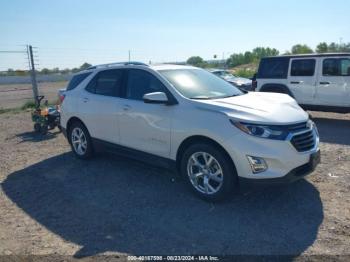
117, 63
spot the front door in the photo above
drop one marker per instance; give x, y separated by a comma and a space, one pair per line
144, 126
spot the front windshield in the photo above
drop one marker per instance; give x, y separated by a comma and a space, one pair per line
199, 84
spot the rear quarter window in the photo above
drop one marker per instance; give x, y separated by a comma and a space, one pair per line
274, 68
76, 80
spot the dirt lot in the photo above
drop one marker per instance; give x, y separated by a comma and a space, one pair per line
15, 95
52, 203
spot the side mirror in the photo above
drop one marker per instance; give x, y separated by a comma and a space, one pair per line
156, 98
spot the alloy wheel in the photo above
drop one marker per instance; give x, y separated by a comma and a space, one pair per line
205, 173
79, 141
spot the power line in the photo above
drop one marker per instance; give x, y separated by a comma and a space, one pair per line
11, 52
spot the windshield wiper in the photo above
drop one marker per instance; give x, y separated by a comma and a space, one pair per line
227, 96
213, 97
200, 98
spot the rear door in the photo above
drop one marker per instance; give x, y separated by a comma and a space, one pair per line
99, 105
302, 79
334, 82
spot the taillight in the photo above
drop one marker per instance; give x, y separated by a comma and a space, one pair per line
62, 97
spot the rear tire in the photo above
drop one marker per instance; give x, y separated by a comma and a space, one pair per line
80, 141
37, 127
44, 129
208, 171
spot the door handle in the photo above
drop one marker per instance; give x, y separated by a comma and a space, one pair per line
126, 107
85, 99
324, 83
296, 82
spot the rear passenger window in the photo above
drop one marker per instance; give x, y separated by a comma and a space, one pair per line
336, 67
140, 83
345, 67
76, 80
276, 68
303, 67
107, 83
330, 67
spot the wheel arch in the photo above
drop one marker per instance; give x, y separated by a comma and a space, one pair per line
275, 88
196, 139
71, 121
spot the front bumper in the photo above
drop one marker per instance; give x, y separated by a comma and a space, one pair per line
283, 160
292, 176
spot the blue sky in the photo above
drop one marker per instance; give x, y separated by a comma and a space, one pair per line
69, 32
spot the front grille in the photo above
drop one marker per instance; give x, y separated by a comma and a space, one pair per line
304, 142
297, 127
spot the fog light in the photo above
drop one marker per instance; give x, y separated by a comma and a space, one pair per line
257, 164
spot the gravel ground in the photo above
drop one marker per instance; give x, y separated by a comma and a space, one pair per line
54, 204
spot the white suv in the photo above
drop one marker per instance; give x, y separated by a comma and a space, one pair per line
317, 81
187, 118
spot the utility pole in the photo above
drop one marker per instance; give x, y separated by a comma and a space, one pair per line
129, 55
33, 74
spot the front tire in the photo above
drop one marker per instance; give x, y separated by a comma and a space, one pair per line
208, 171
80, 141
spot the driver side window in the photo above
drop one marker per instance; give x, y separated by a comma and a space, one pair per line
140, 83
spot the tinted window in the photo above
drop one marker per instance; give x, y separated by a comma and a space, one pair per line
345, 67
336, 67
141, 82
76, 80
106, 83
303, 67
330, 67
273, 68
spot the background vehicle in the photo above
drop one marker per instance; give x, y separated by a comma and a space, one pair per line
242, 83
316, 81
187, 118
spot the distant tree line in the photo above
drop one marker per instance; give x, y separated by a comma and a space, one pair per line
251, 56
254, 56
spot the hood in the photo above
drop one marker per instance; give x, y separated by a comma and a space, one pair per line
259, 107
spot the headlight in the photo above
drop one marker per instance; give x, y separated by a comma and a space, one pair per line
263, 131
311, 124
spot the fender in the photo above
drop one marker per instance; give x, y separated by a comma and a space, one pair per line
276, 88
